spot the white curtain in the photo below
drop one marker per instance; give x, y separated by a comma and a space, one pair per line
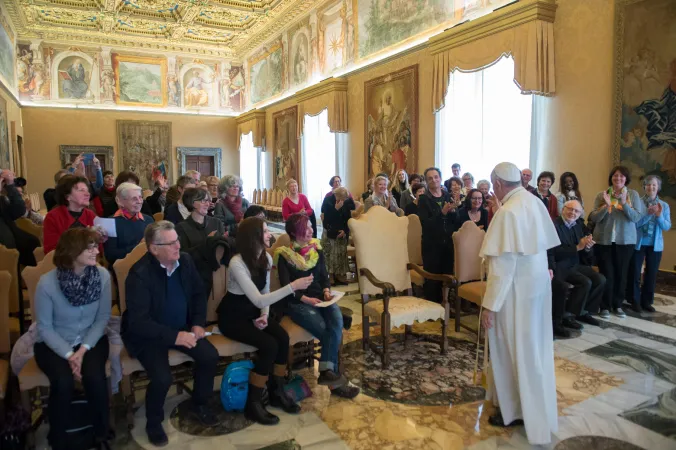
318, 159
486, 121
248, 165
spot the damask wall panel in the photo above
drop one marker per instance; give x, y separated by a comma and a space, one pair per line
145, 149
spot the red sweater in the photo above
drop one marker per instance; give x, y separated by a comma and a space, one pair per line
289, 207
59, 220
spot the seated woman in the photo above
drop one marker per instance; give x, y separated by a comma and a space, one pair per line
304, 258
412, 208
473, 210
545, 181
382, 197
231, 206
72, 308
194, 230
243, 316
72, 196
296, 202
337, 210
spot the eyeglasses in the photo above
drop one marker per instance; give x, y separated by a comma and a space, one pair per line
577, 211
204, 200
166, 243
480, 199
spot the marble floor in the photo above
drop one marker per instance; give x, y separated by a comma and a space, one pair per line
616, 389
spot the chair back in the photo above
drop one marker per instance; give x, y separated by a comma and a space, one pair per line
414, 240
32, 275
217, 293
39, 254
29, 227
122, 268
36, 204
380, 248
283, 241
5, 282
255, 197
158, 216
358, 212
466, 246
264, 199
147, 193
9, 261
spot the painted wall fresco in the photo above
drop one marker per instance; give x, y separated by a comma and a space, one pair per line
7, 52
266, 73
32, 73
5, 160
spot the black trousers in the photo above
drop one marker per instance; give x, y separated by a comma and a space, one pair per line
62, 383
559, 299
643, 294
587, 292
613, 261
155, 361
436, 259
272, 342
313, 222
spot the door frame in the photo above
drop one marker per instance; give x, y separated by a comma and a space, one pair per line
182, 152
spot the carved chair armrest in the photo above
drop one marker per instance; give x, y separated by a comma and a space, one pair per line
388, 288
448, 280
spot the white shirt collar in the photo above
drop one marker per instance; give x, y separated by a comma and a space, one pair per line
170, 273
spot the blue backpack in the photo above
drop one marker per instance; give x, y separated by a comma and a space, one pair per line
235, 385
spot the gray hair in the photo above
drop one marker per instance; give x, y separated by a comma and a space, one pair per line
467, 174
340, 193
183, 180
651, 178
480, 182
227, 182
192, 173
154, 229
570, 202
125, 187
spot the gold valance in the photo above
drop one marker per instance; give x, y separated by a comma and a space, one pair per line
524, 30
330, 94
253, 120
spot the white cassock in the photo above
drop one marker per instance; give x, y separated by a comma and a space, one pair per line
519, 292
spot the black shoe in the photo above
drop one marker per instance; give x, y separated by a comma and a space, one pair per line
331, 379
205, 417
346, 391
497, 421
157, 436
561, 332
636, 308
569, 322
255, 411
278, 397
648, 308
589, 320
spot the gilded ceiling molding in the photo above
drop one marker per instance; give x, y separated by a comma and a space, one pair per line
252, 121
330, 94
523, 30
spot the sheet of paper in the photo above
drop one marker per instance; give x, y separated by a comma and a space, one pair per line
337, 295
106, 224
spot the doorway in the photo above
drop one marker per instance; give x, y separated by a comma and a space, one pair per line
201, 163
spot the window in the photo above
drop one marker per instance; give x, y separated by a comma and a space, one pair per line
486, 121
251, 166
322, 157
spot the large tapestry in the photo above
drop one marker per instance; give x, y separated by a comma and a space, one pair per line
140, 80
266, 74
7, 52
4, 136
391, 114
145, 149
285, 146
646, 94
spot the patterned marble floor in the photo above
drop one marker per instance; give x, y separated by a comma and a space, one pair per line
616, 389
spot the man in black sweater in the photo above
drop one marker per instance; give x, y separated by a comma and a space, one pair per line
167, 309
569, 267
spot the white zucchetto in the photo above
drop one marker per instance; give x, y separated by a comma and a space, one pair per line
507, 171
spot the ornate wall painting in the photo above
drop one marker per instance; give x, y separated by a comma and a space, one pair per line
336, 40
266, 74
645, 100
5, 159
32, 73
7, 52
391, 122
299, 64
233, 89
286, 147
145, 149
140, 80
74, 77
200, 86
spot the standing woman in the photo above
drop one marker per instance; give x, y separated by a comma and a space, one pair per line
400, 186
615, 214
649, 245
212, 186
243, 316
457, 195
412, 207
473, 210
231, 205
296, 202
337, 210
570, 190
408, 196
545, 182
381, 197
72, 196
72, 308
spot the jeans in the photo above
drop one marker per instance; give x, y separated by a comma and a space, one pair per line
613, 261
326, 324
644, 294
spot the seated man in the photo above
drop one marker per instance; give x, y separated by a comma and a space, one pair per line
166, 309
130, 222
576, 245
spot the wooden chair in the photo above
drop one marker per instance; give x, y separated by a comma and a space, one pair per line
158, 216
29, 227
9, 261
466, 246
39, 254
384, 269
264, 198
255, 198
36, 203
5, 348
358, 211
147, 193
414, 243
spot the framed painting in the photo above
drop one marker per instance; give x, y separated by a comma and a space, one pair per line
145, 149
286, 147
140, 80
391, 123
104, 153
7, 53
266, 74
5, 160
645, 91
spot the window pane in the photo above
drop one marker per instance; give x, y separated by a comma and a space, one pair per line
319, 159
248, 165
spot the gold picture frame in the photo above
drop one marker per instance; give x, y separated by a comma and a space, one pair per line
122, 98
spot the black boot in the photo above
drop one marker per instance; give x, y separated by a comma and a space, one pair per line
255, 410
278, 397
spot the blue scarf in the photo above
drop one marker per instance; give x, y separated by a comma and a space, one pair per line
648, 228
80, 290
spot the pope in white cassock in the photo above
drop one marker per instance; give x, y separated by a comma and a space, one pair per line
518, 308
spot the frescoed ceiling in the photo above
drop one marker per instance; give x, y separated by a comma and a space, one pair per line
225, 28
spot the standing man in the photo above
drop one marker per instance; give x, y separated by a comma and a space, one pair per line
526, 176
518, 308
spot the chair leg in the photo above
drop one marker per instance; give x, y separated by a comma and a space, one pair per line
444, 325
129, 400
365, 324
28, 406
385, 331
408, 330
457, 313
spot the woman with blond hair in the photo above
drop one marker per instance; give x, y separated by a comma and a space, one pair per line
382, 197
400, 185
